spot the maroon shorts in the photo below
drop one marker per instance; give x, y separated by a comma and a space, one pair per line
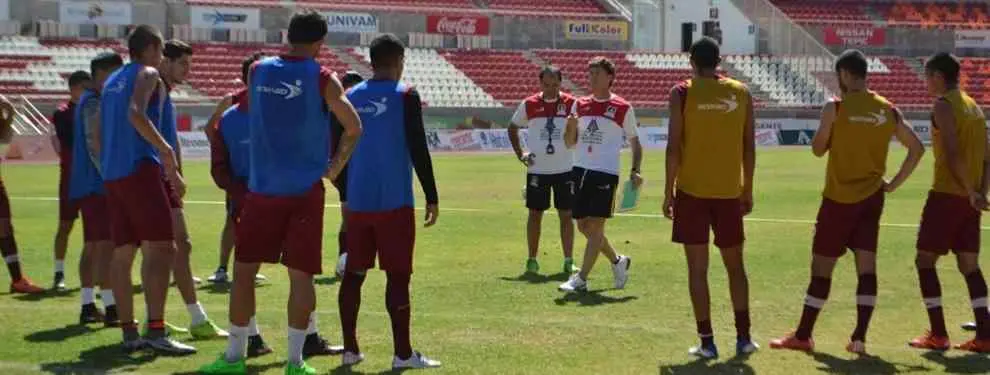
389, 235
4, 202
949, 223
278, 229
842, 226
174, 200
694, 217
68, 209
139, 206
95, 218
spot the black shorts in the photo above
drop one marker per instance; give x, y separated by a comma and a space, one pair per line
538, 187
594, 193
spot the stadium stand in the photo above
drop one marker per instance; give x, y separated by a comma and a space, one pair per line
507, 75
642, 85
819, 10
787, 80
944, 14
548, 6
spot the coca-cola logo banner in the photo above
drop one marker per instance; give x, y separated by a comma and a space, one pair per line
457, 25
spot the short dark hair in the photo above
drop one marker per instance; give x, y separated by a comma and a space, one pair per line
550, 69
350, 79
307, 27
175, 49
602, 62
105, 61
945, 63
386, 50
248, 61
78, 77
141, 38
705, 53
854, 62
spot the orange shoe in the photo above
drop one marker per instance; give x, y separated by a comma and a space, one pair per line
24, 285
793, 343
930, 341
975, 346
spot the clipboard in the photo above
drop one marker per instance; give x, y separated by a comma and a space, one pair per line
629, 200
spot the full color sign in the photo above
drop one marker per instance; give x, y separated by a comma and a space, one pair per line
225, 18
97, 12
596, 30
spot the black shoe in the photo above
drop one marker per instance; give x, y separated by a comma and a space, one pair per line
59, 283
316, 345
90, 314
110, 318
970, 326
257, 347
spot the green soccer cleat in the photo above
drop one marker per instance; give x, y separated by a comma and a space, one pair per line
304, 369
532, 266
222, 367
207, 330
170, 330
569, 266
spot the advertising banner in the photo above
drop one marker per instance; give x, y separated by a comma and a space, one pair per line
4, 10
457, 25
194, 145
347, 22
596, 30
855, 36
96, 12
972, 39
224, 18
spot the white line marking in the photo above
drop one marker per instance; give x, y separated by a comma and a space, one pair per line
650, 216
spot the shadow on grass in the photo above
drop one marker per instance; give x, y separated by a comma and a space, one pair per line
591, 298
47, 294
99, 360
59, 334
702, 366
970, 363
535, 278
327, 280
864, 364
251, 368
215, 288
348, 370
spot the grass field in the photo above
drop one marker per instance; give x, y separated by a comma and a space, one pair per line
474, 311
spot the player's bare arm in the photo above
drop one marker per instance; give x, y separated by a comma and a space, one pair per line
907, 138
637, 161
945, 119
91, 130
6, 121
749, 156
222, 106
348, 117
148, 81
517, 145
985, 181
419, 153
675, 139
823, 137
571, 131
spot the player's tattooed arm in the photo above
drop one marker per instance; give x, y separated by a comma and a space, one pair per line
348, 117
749, 155
823, 137
6, 121
675, 136
907, 138
91, 130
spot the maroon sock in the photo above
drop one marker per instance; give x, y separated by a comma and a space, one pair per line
931, 291
705, 332
977, 286
742, 325
397, 303
341, 243
818, 291
349, 303
8, 247
866, 298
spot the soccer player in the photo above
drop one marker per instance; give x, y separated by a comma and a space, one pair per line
67, 210
951, 217
85, 189
710, 161
596, 128
282, 216
380, 218
349, 79
855, 132
133, 158
8, 245
174, 69
549, 163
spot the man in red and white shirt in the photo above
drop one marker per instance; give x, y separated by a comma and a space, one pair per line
549, 163
597, 128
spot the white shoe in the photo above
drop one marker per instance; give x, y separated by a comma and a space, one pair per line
417, 360
700, 352
573, 284
620, 271
351, 359
220, 277
341, 265
197, 280
259, 278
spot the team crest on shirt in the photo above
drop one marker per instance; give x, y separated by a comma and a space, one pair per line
561, 109
592, 126
610, 112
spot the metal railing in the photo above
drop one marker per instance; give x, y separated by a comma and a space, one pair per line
28, 120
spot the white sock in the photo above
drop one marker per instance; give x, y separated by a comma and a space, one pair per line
87, 295
196, 313
311, 328
297, 338
11, 259
253, 327
107, 296
59, 265
236, 343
